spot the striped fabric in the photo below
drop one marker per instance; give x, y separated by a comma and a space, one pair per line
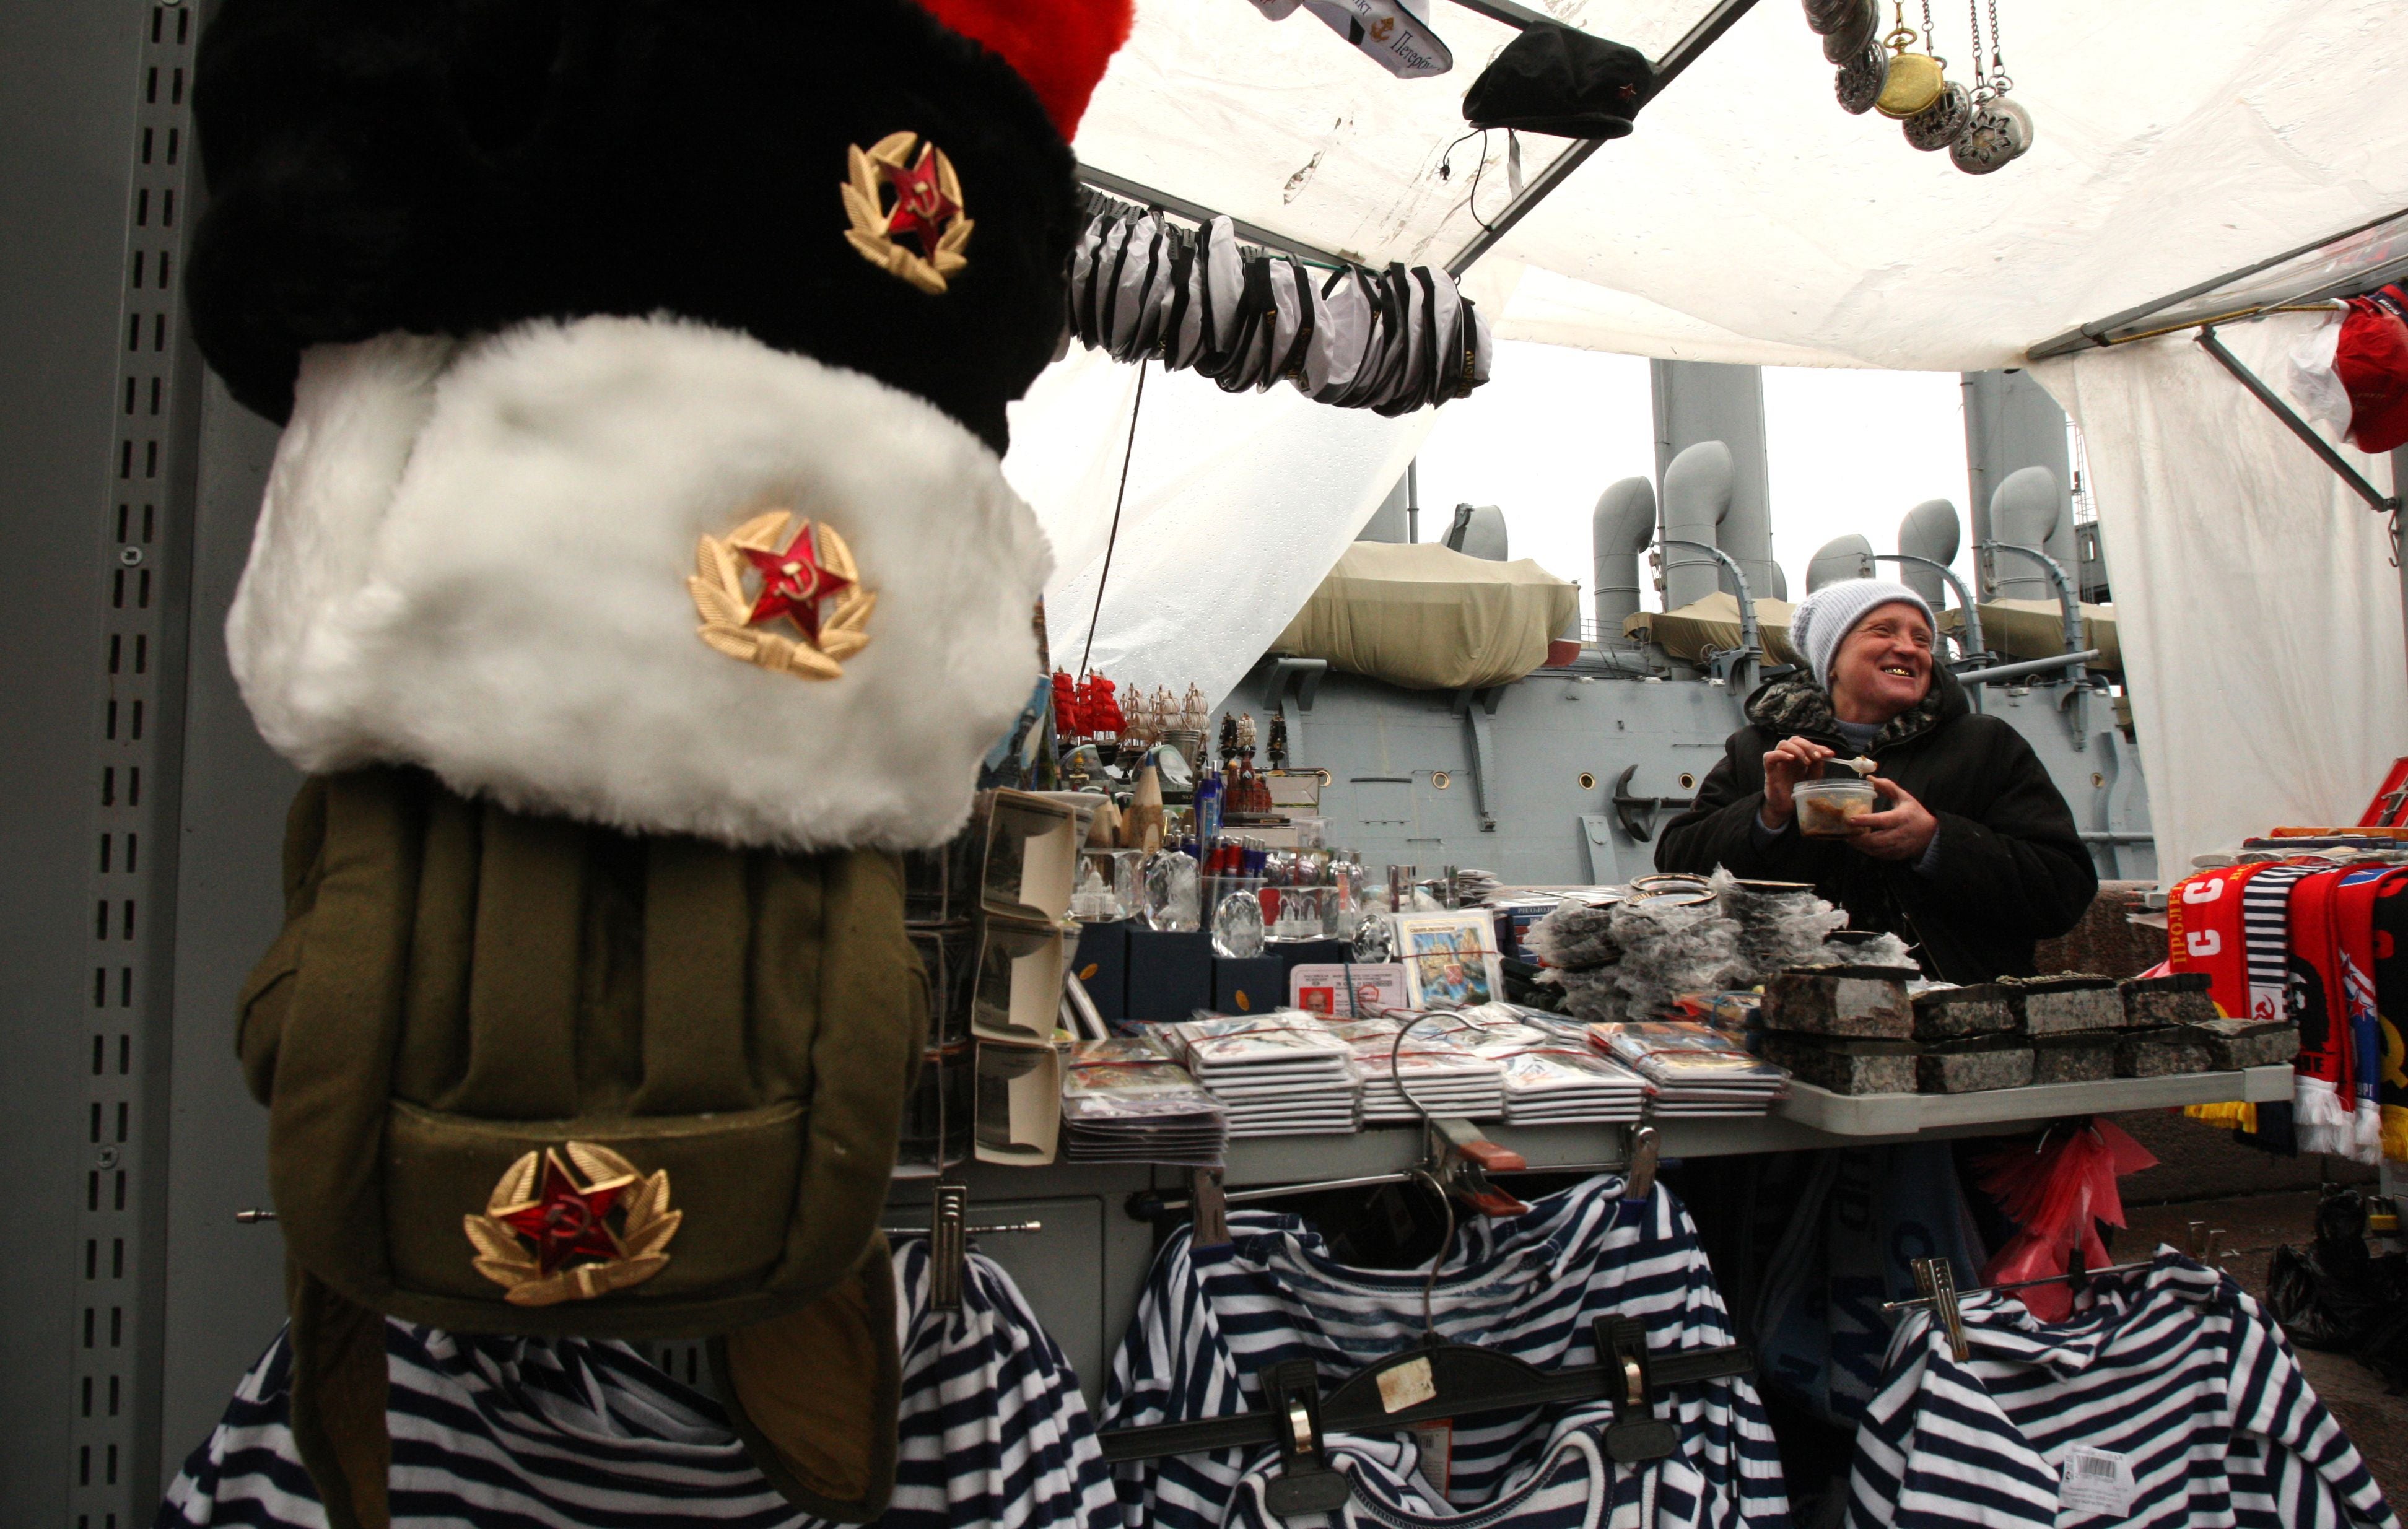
2266, 928
493, 1431
994, 1429
1574, 1487
1210, 1320
2173, 1368
496, 1433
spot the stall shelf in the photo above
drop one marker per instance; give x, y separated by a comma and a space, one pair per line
1082, 1266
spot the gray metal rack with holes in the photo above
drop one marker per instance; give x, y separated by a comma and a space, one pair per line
138, 841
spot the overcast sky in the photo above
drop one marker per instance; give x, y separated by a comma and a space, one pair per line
1850, 451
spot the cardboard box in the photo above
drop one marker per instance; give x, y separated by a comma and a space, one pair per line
1251, 985
1019, 1104
1030, 862
1101, 963
1019, 993
1170, 973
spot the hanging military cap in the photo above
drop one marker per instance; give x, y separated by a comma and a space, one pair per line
1558, 80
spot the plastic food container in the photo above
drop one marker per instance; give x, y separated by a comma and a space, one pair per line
1826, 806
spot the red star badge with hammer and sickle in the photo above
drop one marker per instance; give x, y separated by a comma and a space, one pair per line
922, 209
792, 583
565, 1222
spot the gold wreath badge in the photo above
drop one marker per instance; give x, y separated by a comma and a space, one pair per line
797, 576
548, 1235
927, 208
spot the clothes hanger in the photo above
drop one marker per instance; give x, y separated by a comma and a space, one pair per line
1936, 1283
1433, 1381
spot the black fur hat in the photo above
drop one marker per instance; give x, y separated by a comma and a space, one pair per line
454, 166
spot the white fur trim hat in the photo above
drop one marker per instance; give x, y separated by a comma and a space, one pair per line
493, 557
1824, 618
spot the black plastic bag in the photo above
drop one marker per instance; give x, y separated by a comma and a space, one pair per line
2335, 1294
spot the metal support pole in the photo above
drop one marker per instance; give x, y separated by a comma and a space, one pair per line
1680, 56
1195, 212
2374, 498
1741, 673
1972, 638
2068, 604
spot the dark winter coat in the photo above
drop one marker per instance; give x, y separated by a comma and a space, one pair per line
2011, 869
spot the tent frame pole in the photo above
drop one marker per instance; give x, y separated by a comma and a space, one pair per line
1195, 212
2375, 499
1701, 36
2101, 331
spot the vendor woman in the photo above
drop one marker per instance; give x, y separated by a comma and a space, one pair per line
1971, 856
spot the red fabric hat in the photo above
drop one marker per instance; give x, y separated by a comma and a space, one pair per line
1060, 47
2371, 360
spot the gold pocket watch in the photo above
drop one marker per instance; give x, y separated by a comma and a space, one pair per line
1915, 80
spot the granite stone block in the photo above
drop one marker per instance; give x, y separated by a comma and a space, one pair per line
2163, 1052
2058, 1006
1859, 1002
1960, 1013
2235, 1044
1970, 1067
2153, 1003
2079, 1058
1844, 1066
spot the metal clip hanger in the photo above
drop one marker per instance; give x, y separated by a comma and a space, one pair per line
1449, 1380
1936, 1281
948, 1246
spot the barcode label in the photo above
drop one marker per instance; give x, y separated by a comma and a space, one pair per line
2096, 1481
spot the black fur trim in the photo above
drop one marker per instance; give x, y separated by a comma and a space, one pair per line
454, 167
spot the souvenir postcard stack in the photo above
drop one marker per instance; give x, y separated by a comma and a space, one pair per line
1435, 1065
1696, 1070
1551, 1076
1276, 1074
1124, 1101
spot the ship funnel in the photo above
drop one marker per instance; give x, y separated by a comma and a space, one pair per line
1620, 528
1929, 530
1840, 558
1479, 531
2024, 512
1697, 496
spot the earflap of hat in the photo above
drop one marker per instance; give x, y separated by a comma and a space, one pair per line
814, 1394
339, 1395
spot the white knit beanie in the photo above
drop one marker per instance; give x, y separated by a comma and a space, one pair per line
1826, 617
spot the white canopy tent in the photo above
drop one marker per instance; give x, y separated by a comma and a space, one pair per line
1749, 219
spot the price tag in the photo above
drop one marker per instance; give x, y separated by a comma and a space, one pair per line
1437, 1443
2096, 1481
1408, 1384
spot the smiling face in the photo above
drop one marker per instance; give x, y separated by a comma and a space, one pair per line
1884, 664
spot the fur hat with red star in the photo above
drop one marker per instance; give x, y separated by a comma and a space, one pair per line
550, 292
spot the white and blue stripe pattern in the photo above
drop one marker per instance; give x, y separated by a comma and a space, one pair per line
1573, 1486
1211, 1319
2173, 1367
496, 1433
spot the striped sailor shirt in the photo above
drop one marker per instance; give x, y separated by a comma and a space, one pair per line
1210, 1321
500, 1432
2170, 1400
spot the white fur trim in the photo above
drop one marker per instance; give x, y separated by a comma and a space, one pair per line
473, 557
2319, 1119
